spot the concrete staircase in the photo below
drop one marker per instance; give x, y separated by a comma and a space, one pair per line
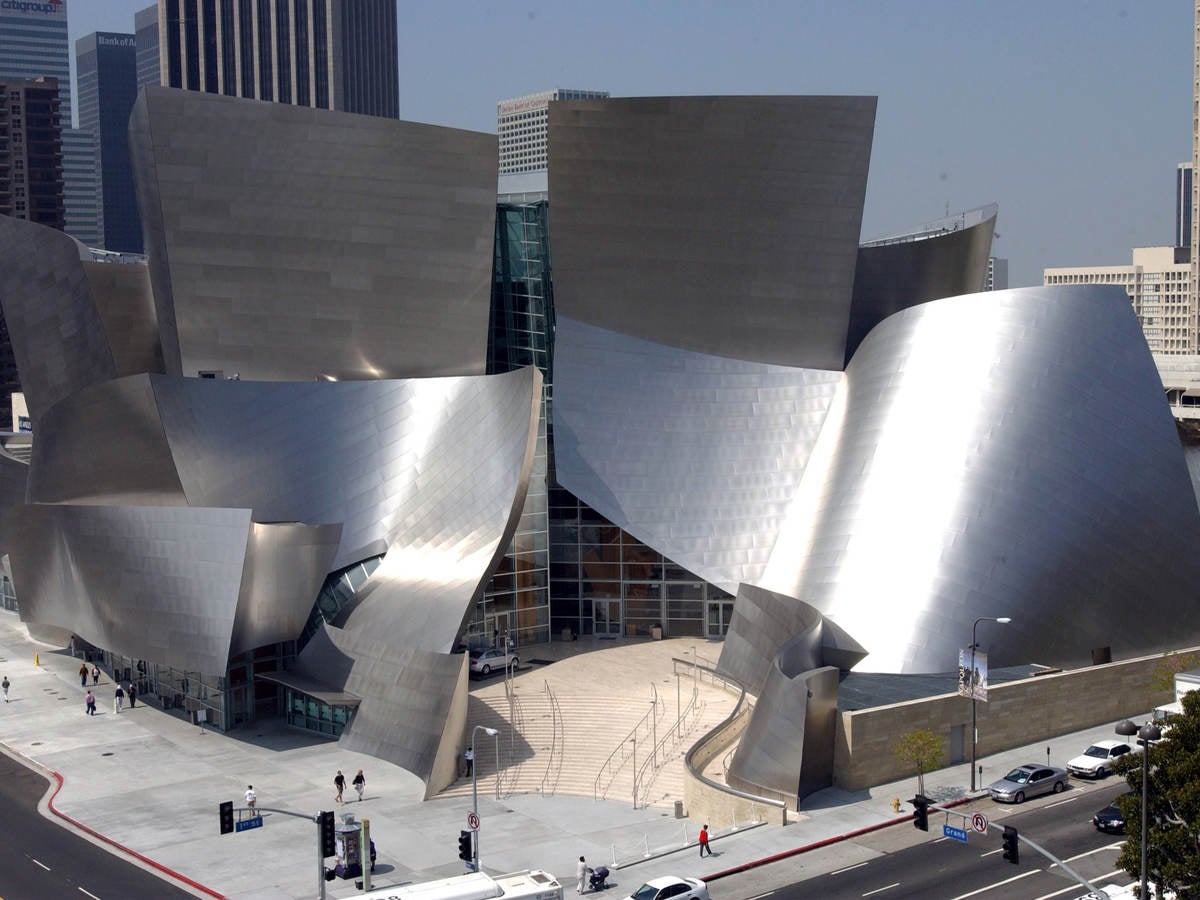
560, 724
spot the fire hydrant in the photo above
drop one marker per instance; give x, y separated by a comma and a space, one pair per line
896, 804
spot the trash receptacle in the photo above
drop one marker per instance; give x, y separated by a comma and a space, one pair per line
679, 809
566, 634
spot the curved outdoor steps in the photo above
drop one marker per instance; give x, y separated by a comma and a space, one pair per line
602, 689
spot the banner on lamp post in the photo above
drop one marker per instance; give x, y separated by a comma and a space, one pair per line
972, 684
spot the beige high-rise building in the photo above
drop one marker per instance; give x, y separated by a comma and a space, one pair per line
1157, 284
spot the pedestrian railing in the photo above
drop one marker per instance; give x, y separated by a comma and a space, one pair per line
657, 759
627, 748
557, 738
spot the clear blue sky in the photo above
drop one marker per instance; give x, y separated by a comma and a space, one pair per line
1070, 114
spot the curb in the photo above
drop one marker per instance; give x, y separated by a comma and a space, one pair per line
59, 781
824, 842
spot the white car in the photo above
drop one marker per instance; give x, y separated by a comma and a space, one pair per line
671, 887
1096, 761
484, 662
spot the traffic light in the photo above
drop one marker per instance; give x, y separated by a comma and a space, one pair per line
464, 846
328, 835
921, 812
226, 817
1012, 851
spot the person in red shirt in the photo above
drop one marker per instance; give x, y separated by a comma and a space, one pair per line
704, 848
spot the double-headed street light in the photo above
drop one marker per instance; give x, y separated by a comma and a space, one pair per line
1147, 734
1003, 620
490, 732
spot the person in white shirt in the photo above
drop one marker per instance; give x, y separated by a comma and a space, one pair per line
581, 872
251, 797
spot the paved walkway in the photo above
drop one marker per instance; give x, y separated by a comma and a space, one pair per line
151, 782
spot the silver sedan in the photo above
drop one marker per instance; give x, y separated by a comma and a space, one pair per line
1028, 781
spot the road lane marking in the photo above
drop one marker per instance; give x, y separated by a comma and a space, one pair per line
90, 894
882, 889
1061, 802
991, 852
848, 868
43, 865
985, 889
1075, 887
760, 896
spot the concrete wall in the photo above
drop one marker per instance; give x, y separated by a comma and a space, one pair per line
1017, 713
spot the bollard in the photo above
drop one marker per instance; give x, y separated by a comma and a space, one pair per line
896, 804
35, 660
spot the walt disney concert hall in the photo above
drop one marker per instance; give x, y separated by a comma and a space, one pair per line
279, 460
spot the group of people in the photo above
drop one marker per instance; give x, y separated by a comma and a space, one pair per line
89, 701
339, 782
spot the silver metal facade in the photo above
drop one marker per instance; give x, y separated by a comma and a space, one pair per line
721, 225
695, 455
289, 243
1011, 455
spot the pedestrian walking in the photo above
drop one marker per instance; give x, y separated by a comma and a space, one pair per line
95, 675
118, 699
132, 695
704, 848
581, 873
89, 704
251, 797
71, 646
83, 674
360, 784
469, 761
5, 685
339, 782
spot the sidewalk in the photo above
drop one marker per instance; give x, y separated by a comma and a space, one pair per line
151, 782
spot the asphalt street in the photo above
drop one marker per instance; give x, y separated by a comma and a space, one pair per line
40, 859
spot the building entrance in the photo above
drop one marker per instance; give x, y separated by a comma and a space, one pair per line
607, 617
719, 614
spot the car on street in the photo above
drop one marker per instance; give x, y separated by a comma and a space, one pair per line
1110, 819
672, 887
1096, 761
1027, 781
484, 662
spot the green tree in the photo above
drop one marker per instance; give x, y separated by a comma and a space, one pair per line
920, 748
1173, 812
1171, 664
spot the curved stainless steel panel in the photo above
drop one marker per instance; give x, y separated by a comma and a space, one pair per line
57, 336
722, 225
125, 304
788, 743
1003, 456
892, 277
696, 455
155, 583
762, 623
287, 243
128, 460
285, 568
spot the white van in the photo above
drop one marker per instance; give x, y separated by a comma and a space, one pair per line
532, 884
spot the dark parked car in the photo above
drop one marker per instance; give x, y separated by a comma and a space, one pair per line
1110, 819
1028, 781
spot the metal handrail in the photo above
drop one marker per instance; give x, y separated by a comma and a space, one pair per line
649, 769
557, 736
738, 710
620, 748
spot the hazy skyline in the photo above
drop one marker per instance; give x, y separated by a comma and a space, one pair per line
1071, 116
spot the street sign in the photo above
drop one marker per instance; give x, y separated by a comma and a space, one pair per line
959, 834
472, 821
979, 823
247, 824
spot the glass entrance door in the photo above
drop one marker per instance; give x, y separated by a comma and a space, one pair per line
607, 617
719, 614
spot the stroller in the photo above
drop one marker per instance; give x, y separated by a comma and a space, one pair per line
598, 879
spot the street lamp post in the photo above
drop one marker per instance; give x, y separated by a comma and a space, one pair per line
490, 732
1003, 620
1147, 734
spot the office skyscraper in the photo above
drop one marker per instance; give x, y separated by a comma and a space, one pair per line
1183, 205
145, 28
997, 274
106, 64
330, 54
521, 128
33, 44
